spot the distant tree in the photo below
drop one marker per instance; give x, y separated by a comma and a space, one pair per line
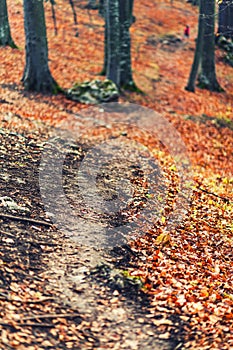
72, 5
205, 50
225, 19
37, 76
5, 33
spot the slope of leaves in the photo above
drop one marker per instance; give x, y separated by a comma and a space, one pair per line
186, 272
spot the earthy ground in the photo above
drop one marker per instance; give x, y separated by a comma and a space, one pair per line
160, 290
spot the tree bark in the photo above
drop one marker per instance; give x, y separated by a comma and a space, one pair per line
198, 51
207, 78
222, 18
125, 16
37, 76
118, 19
5, 33
104, 71
230, 20
102, 13
225, 19
113, 40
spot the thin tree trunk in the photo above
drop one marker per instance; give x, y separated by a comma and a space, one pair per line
113, 40
207, 78
198, 52
105, 49
5, 33
37, 76
125, 11
102, 13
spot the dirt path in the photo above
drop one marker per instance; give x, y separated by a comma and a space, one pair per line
87, 278
116, 321
113, 313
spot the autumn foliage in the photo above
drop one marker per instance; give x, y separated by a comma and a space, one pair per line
188, 271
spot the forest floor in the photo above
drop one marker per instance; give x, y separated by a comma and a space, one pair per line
160, 289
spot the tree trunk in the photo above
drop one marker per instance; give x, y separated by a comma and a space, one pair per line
222, 18
207, 78
118, 19
198, 51
230, 20
102, 13
5, 33
113, 40
104, 71
37, 76
225, 19
102, 4
125, 16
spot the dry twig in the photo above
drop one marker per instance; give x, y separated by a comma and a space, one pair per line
21, 218
27, 318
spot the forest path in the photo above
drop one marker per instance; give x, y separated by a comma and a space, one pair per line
115, 321
85, 280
